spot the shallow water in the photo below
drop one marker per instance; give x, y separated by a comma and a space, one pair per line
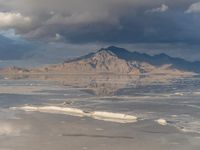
168, 113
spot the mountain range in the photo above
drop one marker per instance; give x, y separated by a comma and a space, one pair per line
115, 60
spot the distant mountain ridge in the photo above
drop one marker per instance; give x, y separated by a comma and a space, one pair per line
115, 60
156, 60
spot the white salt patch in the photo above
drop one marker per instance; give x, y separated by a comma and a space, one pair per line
114, 117
52, 109
179, 94
105, 116
162, 122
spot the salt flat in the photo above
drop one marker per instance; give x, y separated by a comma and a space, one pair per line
59, 116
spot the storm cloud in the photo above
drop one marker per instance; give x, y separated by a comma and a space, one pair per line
103, 21
83, 21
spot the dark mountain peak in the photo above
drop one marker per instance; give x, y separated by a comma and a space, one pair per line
115, 49
162, 55
119, 52
104, 53
125, 54
129, 56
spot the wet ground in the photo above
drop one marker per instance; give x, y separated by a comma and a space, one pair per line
175, 103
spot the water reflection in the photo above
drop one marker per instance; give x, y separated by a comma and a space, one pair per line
102, 85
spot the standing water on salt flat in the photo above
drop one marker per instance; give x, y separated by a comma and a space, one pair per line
99, 111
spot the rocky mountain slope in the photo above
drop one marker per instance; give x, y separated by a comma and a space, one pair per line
114, 60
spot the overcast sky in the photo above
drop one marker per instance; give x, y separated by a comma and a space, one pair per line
80, 26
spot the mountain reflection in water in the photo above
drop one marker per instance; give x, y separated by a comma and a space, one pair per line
103, 85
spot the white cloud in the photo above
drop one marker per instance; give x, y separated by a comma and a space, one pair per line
194, 8
58, 36
10, 33
10, 19
162, 8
